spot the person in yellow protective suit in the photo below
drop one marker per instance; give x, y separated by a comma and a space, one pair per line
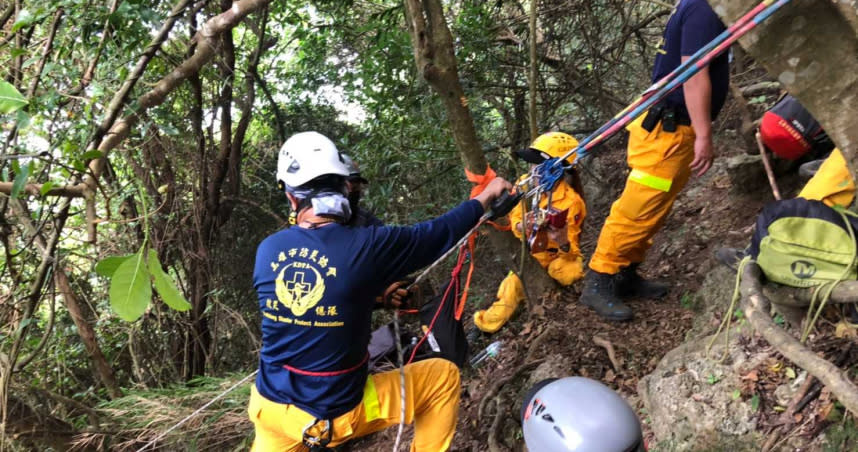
561, 255
832, 183
666, 145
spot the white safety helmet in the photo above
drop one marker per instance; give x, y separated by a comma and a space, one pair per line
306, 156
579, 414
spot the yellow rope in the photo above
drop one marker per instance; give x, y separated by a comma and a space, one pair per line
728, 316
828, 287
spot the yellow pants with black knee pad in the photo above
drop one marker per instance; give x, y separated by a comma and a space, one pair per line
832, 183
432, 399
659, 164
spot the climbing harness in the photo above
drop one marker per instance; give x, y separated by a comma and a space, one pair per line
318, 443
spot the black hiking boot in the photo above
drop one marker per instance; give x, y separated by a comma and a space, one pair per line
730, 257
631, 284
807, 170
599, 293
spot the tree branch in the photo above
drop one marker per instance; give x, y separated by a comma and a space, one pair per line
756, 307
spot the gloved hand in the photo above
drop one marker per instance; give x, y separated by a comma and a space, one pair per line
398, 296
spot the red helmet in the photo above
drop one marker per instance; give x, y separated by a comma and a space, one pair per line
789, 130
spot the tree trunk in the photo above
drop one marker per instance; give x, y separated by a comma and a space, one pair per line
436, 61
532, 77
811, 47
87, 335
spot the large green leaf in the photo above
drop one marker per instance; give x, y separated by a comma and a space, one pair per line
130, 290
23, 173
165, 286
107, 266
10, 98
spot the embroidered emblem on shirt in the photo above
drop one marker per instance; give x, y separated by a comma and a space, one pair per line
300, 289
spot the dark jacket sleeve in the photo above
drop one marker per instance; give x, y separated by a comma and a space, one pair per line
403, 250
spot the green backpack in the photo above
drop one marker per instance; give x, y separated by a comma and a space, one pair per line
804, 243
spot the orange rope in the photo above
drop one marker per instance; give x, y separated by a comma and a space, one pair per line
482, 181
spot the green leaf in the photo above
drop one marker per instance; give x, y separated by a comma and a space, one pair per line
790, 373
90, 155
23, 119
24, 323
107, 266
755, 402
46, 187
165, 286
10, 99
20, 180
25, 18
736, 394
130, 290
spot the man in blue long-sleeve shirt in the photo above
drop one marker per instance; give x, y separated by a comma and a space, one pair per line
316, 285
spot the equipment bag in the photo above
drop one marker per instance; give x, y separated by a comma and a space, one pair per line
803, 243
446, 340
790, 131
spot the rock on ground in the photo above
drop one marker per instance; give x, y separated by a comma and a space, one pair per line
690, 399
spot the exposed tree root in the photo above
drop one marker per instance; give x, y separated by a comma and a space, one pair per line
612, 355
534, 346
495, 388
844, 292
497, 423
756, 307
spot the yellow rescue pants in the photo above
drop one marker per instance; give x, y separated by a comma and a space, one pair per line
432, 399
510, 294
660, 169
832, 184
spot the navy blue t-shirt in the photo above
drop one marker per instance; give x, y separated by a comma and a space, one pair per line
691, 26
316, 290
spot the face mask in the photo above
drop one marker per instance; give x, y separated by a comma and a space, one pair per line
331, 204
325, 202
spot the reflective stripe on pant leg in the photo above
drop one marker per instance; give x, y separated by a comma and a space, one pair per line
661, 160
432, 397
651, 181
370, 401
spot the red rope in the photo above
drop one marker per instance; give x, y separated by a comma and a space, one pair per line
333, 373
454, 279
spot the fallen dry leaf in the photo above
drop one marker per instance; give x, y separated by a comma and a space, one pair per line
610, 376
752, 376
844, 330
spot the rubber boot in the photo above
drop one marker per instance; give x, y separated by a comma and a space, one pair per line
599, 293
631, 284
730, 257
